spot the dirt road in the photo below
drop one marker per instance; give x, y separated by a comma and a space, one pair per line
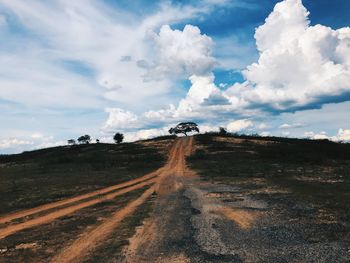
191, 221
164, 184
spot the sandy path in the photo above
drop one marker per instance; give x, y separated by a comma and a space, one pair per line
164, 183
68, 201
86, 243
4, 232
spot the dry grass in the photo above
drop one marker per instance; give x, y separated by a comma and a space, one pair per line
240, 141
162, 146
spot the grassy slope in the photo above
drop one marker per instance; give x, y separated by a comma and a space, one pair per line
42, 176
317, 172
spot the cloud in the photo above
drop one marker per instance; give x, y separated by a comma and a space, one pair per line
123, 60
286, 133
318, 56
342, 135
119, 119
287, 22
216, 98
13, 142
239, 125
265, 134
37, 135
193, 106
34, 141
291, 126
181, 53
207, 127
112, 43
146, 134
201, 89
263, 126
30, 78
47, 144
300, 66
317, 136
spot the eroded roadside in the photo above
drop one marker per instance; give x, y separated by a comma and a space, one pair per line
232, 221
245, 211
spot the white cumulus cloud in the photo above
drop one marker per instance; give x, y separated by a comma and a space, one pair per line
342, 135
144, 134
300, 66
120, 119
182, 53
239, 125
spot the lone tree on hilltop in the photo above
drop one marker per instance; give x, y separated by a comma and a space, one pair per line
71, 142
184, 127
118, 137
84, 139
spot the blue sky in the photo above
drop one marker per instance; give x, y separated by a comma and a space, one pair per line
74, 67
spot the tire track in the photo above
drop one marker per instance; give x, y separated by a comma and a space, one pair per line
4, 232
42, 208
85, 244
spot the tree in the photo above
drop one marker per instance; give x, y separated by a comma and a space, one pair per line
97, 141
71, 142
184, 127
84, 139
118, 137
222, 131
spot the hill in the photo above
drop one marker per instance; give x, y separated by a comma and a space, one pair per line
206, 198
42, 176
